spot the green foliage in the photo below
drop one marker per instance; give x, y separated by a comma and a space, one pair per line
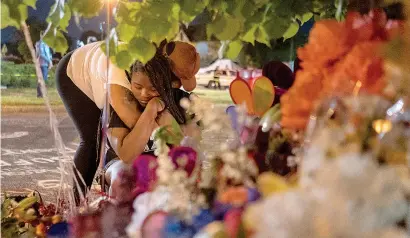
238, 21
56, 40
22, 75
151, 21
24, 51
171, 134
234, 48
13, 12
86, 8
291, 31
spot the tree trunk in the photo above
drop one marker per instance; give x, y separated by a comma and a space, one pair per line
39, 74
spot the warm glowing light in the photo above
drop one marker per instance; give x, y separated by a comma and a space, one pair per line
382, 126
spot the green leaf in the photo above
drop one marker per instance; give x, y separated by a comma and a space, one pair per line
66, 19
17, 11
59, 15
189, 9
262, 37
154, 29
275, 27
6, 20
127, 12
250, 35
306, 17
234, 48
22, 9
218, 5
113, 49
141, 49
170, 134
126, 32
235, 8
175, 9
124, 59
291, 31
173, 31
225, 27
87, 8
56, 40
30, 3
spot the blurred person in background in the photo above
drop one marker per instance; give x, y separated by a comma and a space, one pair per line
45, 58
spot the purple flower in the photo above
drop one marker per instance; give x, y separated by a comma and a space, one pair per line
184, 157
253, 194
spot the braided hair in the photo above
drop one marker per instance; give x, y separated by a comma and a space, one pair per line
159, 72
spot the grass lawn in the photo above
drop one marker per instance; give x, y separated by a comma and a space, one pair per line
16, 97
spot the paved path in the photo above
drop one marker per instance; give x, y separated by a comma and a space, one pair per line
28, 156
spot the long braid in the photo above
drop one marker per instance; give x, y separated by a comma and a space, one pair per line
159, 72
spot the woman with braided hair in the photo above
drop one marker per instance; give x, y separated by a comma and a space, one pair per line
150, 83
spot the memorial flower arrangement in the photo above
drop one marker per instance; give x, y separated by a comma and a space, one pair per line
346, 175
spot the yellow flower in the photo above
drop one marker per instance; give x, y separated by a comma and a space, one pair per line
269, 183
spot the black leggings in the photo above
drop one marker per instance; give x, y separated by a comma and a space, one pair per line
86, 117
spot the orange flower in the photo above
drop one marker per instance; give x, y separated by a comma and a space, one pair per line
296, 123
361, 27
236, 196
298, 103
328, 41
365, 64
338, 58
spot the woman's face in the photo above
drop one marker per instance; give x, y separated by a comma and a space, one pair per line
142, 88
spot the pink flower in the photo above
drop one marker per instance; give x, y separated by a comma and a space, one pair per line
145, 167
184, 157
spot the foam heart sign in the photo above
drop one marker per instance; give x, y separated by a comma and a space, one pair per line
263, 94
241, 93
258, 94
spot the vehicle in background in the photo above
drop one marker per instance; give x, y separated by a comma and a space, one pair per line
216, 79
222, 79
218, 75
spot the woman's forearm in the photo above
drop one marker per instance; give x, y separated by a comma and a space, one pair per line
134, 143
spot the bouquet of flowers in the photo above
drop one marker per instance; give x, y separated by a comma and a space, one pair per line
340, 58
29, 216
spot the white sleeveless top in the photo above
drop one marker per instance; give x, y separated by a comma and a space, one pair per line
87, 69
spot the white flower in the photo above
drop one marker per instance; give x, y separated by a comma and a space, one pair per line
145, 204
